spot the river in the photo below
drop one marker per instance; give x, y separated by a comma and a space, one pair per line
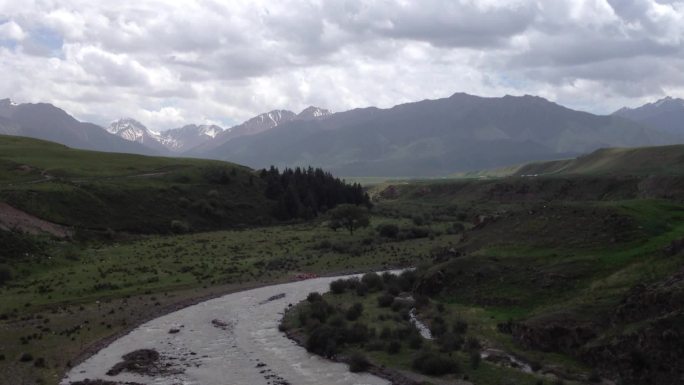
230, 340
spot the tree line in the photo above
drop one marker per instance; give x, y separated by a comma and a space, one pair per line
305, 193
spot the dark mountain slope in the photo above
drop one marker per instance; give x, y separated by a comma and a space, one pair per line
437, 137
45, 121
666, 114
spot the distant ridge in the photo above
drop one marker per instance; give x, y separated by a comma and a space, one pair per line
666, 114
640, 161
437, 137
45, 121
428, 138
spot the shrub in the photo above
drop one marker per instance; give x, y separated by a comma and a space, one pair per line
415, 232
473, 344
438, 327
375, 346
450, 342
338, 286
415, 341
320, 310
314, 297
358, 363
322, 341
26, 357
433, 364
394, 347
460, 327
388, 230
475, 359
386, 333
373, 281
179, 227
357, 333
6, 274
361, 289
385, 300
39, 362
457, 227
354, 311
337, 321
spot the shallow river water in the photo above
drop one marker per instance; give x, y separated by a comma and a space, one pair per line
231, 340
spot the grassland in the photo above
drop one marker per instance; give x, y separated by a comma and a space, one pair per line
104, 192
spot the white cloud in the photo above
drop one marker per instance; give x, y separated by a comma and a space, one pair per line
167, 63
11, 31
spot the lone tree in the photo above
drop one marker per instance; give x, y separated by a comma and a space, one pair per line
351, 217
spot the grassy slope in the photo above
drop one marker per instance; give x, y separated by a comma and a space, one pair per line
641, 161
546, 257
550, 251
99, 191
662, 160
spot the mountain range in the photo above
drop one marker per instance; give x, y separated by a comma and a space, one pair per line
666, 114
45, 121
426, 138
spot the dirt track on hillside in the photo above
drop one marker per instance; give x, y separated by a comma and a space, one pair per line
14, 219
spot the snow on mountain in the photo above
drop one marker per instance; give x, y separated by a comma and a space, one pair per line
189, 136
312, 112
666, 114
131, 130
199, 138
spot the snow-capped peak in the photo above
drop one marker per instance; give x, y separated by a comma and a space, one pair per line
131, 130
312, 112
662, 101
8, 102
210, 130
274, 118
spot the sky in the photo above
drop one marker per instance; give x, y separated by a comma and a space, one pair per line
170, 63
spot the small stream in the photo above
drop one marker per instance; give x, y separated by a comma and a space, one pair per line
422, 328
231, 340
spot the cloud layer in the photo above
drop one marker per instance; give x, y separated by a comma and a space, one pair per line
167, 63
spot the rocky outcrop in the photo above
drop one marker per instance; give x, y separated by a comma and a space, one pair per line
650, 353
641, 343
565, 335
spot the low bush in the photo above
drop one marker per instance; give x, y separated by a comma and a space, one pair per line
393, 347
385, 300
475, 359
354, 311
373, 281
433, 364
6, 274
338, 286
358, 363
388, 230
322, 341
26, 357
179, 227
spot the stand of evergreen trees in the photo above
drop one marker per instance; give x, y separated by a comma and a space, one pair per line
305, 193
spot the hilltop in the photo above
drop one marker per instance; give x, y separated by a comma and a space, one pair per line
105, 192
638, 161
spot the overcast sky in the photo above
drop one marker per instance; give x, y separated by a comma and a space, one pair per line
167, 63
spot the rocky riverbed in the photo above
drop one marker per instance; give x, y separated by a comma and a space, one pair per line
233, 339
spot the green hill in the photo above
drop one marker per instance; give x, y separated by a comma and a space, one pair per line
661, 160
638, 161
123, 192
